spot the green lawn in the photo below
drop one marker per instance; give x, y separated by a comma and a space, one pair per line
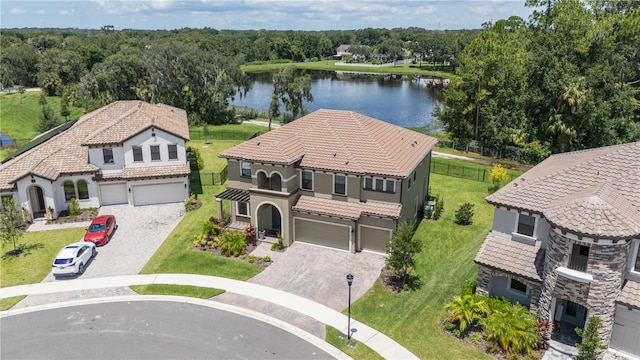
209, 151
175, 254
177, 290
359, 351
407, 69
34, 264
413, 318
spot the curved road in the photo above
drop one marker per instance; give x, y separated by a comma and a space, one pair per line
147, 330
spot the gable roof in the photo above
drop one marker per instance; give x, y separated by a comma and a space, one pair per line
591, 192
339, 141
62, 152
500, 252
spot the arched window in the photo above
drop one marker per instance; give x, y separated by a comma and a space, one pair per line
69, 190
83, 189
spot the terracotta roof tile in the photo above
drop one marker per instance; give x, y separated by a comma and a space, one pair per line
349, 210
64, 154
571, 185
500, 252
341, 141
630, 294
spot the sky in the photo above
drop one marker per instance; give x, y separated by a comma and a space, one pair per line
257, 14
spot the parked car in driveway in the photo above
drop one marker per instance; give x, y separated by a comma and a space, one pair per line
101, 229
73, 258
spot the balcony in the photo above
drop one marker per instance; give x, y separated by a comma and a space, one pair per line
578, 262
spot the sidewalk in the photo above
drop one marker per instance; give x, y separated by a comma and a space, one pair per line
378, 342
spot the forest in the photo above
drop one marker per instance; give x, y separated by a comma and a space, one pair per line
567, 78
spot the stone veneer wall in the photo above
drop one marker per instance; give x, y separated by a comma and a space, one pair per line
606, 265
483, 284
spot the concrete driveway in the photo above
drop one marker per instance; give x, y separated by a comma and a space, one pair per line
141, 230
319, 274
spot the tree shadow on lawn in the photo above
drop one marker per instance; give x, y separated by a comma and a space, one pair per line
22, 249
195, 182
391, 281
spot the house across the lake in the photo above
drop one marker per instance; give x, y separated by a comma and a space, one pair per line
565, 243
128, 152
332, 178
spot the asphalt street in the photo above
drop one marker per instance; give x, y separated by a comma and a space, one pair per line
147, 330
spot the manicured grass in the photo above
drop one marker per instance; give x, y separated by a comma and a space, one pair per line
34, 264
175, 254
408, 69
209, 151
414, 318
20, 117
178, 290
359, 351
8, 303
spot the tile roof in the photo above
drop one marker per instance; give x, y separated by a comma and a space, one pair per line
344, 209
630, 294
148, 172
340, 141
64, 154
591, 192
500, 252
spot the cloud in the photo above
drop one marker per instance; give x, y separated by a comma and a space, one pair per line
41, 12
482, 10
16, 11
68, 12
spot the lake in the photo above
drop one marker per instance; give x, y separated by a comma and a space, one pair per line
394, 99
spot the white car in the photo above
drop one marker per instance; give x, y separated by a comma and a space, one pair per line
73, 258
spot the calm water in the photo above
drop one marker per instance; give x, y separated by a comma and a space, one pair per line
405, 103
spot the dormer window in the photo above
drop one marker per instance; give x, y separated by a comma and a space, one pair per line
107, 155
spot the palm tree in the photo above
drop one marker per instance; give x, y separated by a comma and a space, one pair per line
467, 310
513, 328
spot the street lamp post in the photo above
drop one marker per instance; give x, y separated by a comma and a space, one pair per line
349, 281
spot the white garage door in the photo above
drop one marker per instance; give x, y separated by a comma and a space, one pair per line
626, 331
112, 194
158, 193
321, 233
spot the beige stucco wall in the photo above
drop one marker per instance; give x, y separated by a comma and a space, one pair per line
419, 188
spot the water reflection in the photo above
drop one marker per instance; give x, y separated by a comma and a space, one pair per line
400, 100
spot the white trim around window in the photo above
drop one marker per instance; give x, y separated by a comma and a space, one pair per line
525, 228
338, 176
172, 150
635, 259
304, 181
242, 209
245, 169
373, 183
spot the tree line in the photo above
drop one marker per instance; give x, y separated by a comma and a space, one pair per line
194, 69
566, 79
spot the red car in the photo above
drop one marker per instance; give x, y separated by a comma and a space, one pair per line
101, 229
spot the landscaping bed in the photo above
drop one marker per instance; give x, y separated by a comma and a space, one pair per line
84, 215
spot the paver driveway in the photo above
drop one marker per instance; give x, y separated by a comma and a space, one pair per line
319, 274
141, 230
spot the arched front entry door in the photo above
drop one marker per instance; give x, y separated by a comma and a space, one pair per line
269, 218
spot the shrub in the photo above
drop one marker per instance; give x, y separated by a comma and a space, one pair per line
210, 229
232, 243
475, 338
591, 343
466, 311
497, 175
250, 234
252, 259
191, 203
512, 328
195, 159
278, 245
544, 333
468, 288
439, 209
267, 258
74, 207
464, 215
200, 240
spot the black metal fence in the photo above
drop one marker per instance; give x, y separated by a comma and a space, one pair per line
463, 172
203, 134
198, 179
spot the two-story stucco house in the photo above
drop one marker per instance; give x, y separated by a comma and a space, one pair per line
332, 178
565, 242
126, 152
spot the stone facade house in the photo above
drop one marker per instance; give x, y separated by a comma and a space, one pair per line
332, 178
565, 242
125, 152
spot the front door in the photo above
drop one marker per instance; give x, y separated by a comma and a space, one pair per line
276, 219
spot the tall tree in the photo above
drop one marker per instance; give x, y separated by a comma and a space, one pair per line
292, 89
402, 250
10, 223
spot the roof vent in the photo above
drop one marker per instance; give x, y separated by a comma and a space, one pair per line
334, 154
347, 163
258, 143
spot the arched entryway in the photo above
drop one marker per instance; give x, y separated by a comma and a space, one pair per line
568, 316
36, 201
269, 218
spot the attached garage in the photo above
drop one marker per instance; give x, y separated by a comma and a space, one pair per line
626, 331
158, 193
322, 233
112, 194
374, 239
